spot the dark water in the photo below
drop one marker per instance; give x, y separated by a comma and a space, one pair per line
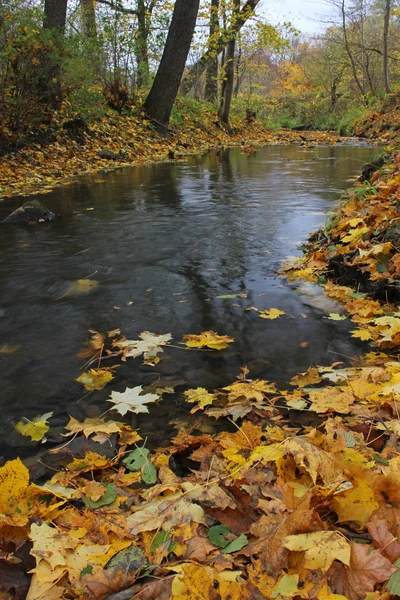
163, 241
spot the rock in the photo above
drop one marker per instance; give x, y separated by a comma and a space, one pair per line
109, 154
32, 211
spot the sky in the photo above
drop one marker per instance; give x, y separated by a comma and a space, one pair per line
306, 15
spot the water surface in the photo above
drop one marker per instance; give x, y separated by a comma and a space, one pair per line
163, 242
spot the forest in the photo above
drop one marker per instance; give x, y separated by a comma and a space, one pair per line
85, 57
199, 301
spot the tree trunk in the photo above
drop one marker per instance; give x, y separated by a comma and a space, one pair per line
55, 14
159, 102
227, 85
50, 91
385, 46
348, 50
141, 46
198, 69
237, 67
211, 89
88, 19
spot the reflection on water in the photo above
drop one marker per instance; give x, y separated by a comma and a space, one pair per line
164, 241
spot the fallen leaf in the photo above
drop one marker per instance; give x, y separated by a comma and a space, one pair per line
320, 548
271, 313
132, 400
367, 568
95, 379
208, 339
201, 396
35, 429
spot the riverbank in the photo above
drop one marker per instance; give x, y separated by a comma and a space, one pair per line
359, 247
74, 147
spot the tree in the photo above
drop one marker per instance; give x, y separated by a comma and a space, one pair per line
50, 92
88, 18
229, 76
385, 45
211, 89
201, 65
159, 102
55, 14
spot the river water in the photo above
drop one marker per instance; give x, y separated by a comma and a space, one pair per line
163, 242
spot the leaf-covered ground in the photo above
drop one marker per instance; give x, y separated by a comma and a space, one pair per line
121, 140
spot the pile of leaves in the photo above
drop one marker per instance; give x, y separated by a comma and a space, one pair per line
115, 141
297, 498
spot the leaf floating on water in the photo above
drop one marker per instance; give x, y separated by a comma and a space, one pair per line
35, 429
201, 396
95, 379
361, 334
271, 313
91, 426
132, 400
309, 377
250, 390
336, 317
208, 339
149, 345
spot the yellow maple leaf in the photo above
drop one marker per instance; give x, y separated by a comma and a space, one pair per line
354, 235
309, 377
201, 396
35, 429
92, 425
320, 548
356, 504
271, 313
331, 398
250, 390
94, 490
208, 339
95, 379
361, 334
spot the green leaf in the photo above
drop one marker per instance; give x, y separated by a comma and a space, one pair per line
107, 498
129, 559
159, 539
86, 571
136, 459
149, 473
236, 545
217, 535
227, 296
393, 585
382, 461
357, 295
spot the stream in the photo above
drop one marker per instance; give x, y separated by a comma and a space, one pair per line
164, 242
